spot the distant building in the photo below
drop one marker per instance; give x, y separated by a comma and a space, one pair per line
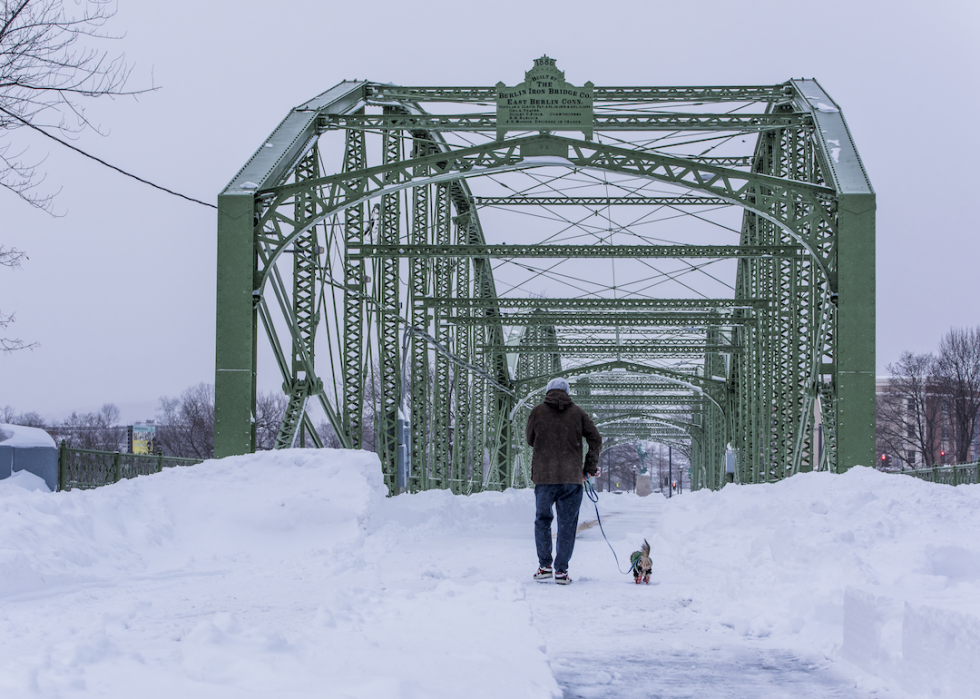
898, 432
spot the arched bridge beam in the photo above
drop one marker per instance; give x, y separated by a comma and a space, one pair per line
796, 207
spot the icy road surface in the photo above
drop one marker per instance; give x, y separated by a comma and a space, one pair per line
289, 574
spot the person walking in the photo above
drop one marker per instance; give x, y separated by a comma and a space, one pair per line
555, 429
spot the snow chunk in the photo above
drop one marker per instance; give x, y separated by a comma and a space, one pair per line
25, 480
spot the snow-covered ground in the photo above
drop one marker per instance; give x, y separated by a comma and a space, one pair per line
289, 574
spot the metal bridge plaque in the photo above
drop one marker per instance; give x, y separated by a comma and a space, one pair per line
544, 102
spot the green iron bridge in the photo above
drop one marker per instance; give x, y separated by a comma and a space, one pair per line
698, 262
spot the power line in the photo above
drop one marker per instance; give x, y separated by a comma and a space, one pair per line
102, 162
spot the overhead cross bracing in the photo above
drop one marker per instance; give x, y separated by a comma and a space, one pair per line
422, 261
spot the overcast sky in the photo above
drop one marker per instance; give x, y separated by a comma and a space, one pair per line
119, 290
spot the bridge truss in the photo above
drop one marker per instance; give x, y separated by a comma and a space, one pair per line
701, 270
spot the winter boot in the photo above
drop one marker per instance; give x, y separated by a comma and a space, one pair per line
544, 572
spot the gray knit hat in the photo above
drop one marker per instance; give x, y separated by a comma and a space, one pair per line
558, 383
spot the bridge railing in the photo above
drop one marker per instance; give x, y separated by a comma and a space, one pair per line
88, 468
950, 474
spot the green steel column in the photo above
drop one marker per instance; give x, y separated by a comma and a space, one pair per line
302, 382
480, 418
235, 337
442, 393
855, 331
420, 387
389, 335
481, 388
355, 158
461, 414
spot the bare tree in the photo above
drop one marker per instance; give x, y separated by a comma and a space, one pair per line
9, 416
48, 70
328, 435
909, 410
46, 74
31, 419
269, 411
98, 430
11, 257
957, 377
185, 425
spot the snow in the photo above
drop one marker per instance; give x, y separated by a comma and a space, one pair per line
822, 106
26, 481
24, 437
290, 574
542, 160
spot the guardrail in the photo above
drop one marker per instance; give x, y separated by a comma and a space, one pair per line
950, 474
87, 468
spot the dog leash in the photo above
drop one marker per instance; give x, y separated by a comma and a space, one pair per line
594, 497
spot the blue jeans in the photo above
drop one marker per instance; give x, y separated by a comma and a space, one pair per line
567, 499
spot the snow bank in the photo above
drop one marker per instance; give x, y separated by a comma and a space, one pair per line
863, 557
290, 574
216, 510
276, 574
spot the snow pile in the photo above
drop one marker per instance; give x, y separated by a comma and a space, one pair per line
889, 563
274, 574
24, 437
290, 574
219, 511
25, 480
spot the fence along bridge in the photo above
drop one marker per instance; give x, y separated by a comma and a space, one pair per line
698, 262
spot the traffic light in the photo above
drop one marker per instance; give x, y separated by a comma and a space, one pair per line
942, 456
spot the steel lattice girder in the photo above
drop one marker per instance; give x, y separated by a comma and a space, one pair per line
752, 93
584, 251
797, 207
592, 346
671, 121
611, 402
598, 304
613, 319
806, 251
601, 202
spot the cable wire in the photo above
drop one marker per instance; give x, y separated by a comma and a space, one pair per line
102, 162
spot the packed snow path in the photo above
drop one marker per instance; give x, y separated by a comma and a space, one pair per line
610, 638
289, 574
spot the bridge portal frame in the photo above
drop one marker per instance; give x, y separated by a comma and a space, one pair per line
828, 220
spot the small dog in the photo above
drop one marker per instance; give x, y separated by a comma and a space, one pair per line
642, 565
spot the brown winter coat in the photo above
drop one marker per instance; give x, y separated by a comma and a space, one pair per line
555, 429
